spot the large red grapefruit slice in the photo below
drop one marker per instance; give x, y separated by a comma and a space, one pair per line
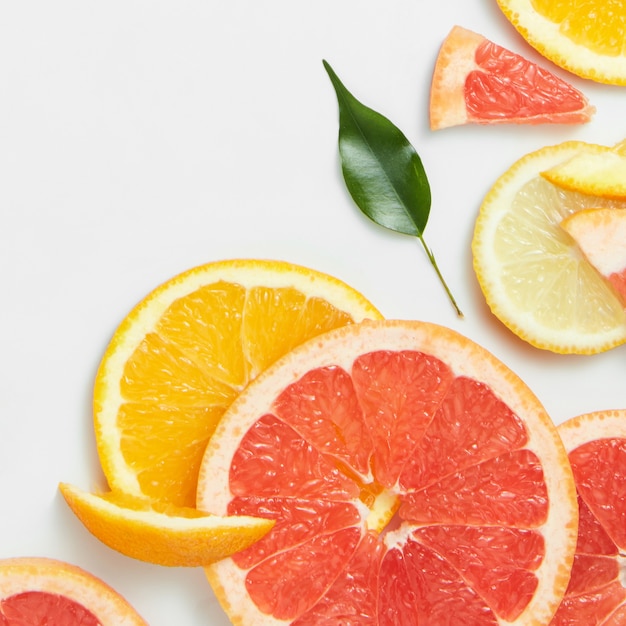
596, 443
412, 477
477, 81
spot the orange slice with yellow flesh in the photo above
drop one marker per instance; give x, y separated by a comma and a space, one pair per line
38, 590
171, 536
412, 478
594, 170
479, 82
601, 235
586, 37
596, 445
185, 352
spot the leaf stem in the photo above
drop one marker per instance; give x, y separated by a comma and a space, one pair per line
433, 262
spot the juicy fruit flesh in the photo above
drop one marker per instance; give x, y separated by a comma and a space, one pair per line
174, 389
465, 538
536, 254
596, 591
36, 607
506, 86
595, 24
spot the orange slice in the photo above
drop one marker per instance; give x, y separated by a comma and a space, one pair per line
601, 235
477, 81
594, 170
585, 37
531, 272
412, 477
46, 591
171, 536
185, 352
596, 443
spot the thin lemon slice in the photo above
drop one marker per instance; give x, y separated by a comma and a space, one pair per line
533, 276
172, 536
40, 590
594, 170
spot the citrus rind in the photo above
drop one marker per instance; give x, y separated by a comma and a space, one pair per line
581, 429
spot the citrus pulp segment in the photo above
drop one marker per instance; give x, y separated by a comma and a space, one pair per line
532, 274
184, 353
171, 536
477, 81
412, 477
37, 590
596, 444
585, 37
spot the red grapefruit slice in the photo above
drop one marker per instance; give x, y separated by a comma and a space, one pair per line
477, 81
412, 478
596, 443
36, 591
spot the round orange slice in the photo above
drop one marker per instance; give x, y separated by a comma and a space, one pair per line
411, 476
596, 444
476, 81
184, 353
37, 590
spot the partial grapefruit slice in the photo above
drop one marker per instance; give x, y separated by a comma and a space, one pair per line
601, 235
596, 443
412, 477
35, 590
585, 37
477, 81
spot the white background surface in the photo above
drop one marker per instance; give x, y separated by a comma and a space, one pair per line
139, 139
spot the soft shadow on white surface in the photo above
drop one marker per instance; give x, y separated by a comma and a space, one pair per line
140, 139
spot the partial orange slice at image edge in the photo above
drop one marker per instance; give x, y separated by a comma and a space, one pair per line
531, 271
596, 445
476, 81
38, 590
171, 537
411, 476
594, 170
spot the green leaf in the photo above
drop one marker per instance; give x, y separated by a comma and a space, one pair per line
382, 171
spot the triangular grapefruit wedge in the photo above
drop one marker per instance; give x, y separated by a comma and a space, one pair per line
476, 81
601, 236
